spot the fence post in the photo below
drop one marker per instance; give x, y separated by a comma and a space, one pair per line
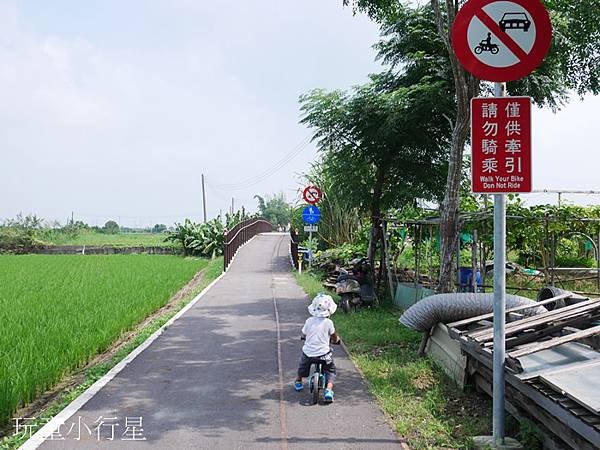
225, 249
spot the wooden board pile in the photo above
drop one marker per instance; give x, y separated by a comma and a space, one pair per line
552, 365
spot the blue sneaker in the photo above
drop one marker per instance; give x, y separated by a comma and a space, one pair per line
298, 385
328, 395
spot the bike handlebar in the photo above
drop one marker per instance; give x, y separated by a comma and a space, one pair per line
303, 338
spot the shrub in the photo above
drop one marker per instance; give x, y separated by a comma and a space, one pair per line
21, 234
204, 239
340, 255
16, 240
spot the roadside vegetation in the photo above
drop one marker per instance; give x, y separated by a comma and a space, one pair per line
417, 49
58, 311
274, 208
391, 158
425, 406
25, 234
205, 239
94, 372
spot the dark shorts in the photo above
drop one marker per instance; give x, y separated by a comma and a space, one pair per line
327, 361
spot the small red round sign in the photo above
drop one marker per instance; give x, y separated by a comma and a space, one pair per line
501, 40
312, 195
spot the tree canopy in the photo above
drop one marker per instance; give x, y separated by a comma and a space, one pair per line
275, 209
385, 143
412, 37
573, 63
111, 227
159, 228
383, 138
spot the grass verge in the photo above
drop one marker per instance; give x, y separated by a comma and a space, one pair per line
94, 373
424, 405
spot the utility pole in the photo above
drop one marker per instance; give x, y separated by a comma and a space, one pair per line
72, 218
203, 198
232, 205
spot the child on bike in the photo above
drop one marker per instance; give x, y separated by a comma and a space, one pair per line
319, 332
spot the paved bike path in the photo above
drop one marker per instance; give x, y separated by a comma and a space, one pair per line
211, 380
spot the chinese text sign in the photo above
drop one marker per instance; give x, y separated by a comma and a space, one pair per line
501, 144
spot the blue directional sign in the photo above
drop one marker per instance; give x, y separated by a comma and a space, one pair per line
311, 215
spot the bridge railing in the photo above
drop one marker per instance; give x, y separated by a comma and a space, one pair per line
240, 234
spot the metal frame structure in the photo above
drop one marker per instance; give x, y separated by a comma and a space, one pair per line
550, 244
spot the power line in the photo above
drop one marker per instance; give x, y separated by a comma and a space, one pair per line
257, 178
249, 182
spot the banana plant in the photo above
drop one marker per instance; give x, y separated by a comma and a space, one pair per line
205, 239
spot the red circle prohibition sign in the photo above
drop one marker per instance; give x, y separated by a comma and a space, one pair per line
312, 195
527, 60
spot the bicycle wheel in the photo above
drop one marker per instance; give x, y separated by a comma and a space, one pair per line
316, 387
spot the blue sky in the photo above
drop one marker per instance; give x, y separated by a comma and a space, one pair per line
113, 109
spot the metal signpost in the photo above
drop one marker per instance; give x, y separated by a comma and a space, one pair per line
500, 41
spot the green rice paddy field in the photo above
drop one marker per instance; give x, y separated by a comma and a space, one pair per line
58, 311
110, 240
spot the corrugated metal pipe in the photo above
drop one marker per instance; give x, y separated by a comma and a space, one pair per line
551, 291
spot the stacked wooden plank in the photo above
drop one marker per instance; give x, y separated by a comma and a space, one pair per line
552, 365
528, 335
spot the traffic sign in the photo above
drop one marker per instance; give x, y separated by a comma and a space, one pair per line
501, 144
311, 215
501, 40
311, 228
312, 195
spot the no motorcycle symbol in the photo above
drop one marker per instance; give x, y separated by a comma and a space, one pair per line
500, 40
312, 195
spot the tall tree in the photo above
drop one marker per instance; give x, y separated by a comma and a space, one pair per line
384, 144
572, 64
